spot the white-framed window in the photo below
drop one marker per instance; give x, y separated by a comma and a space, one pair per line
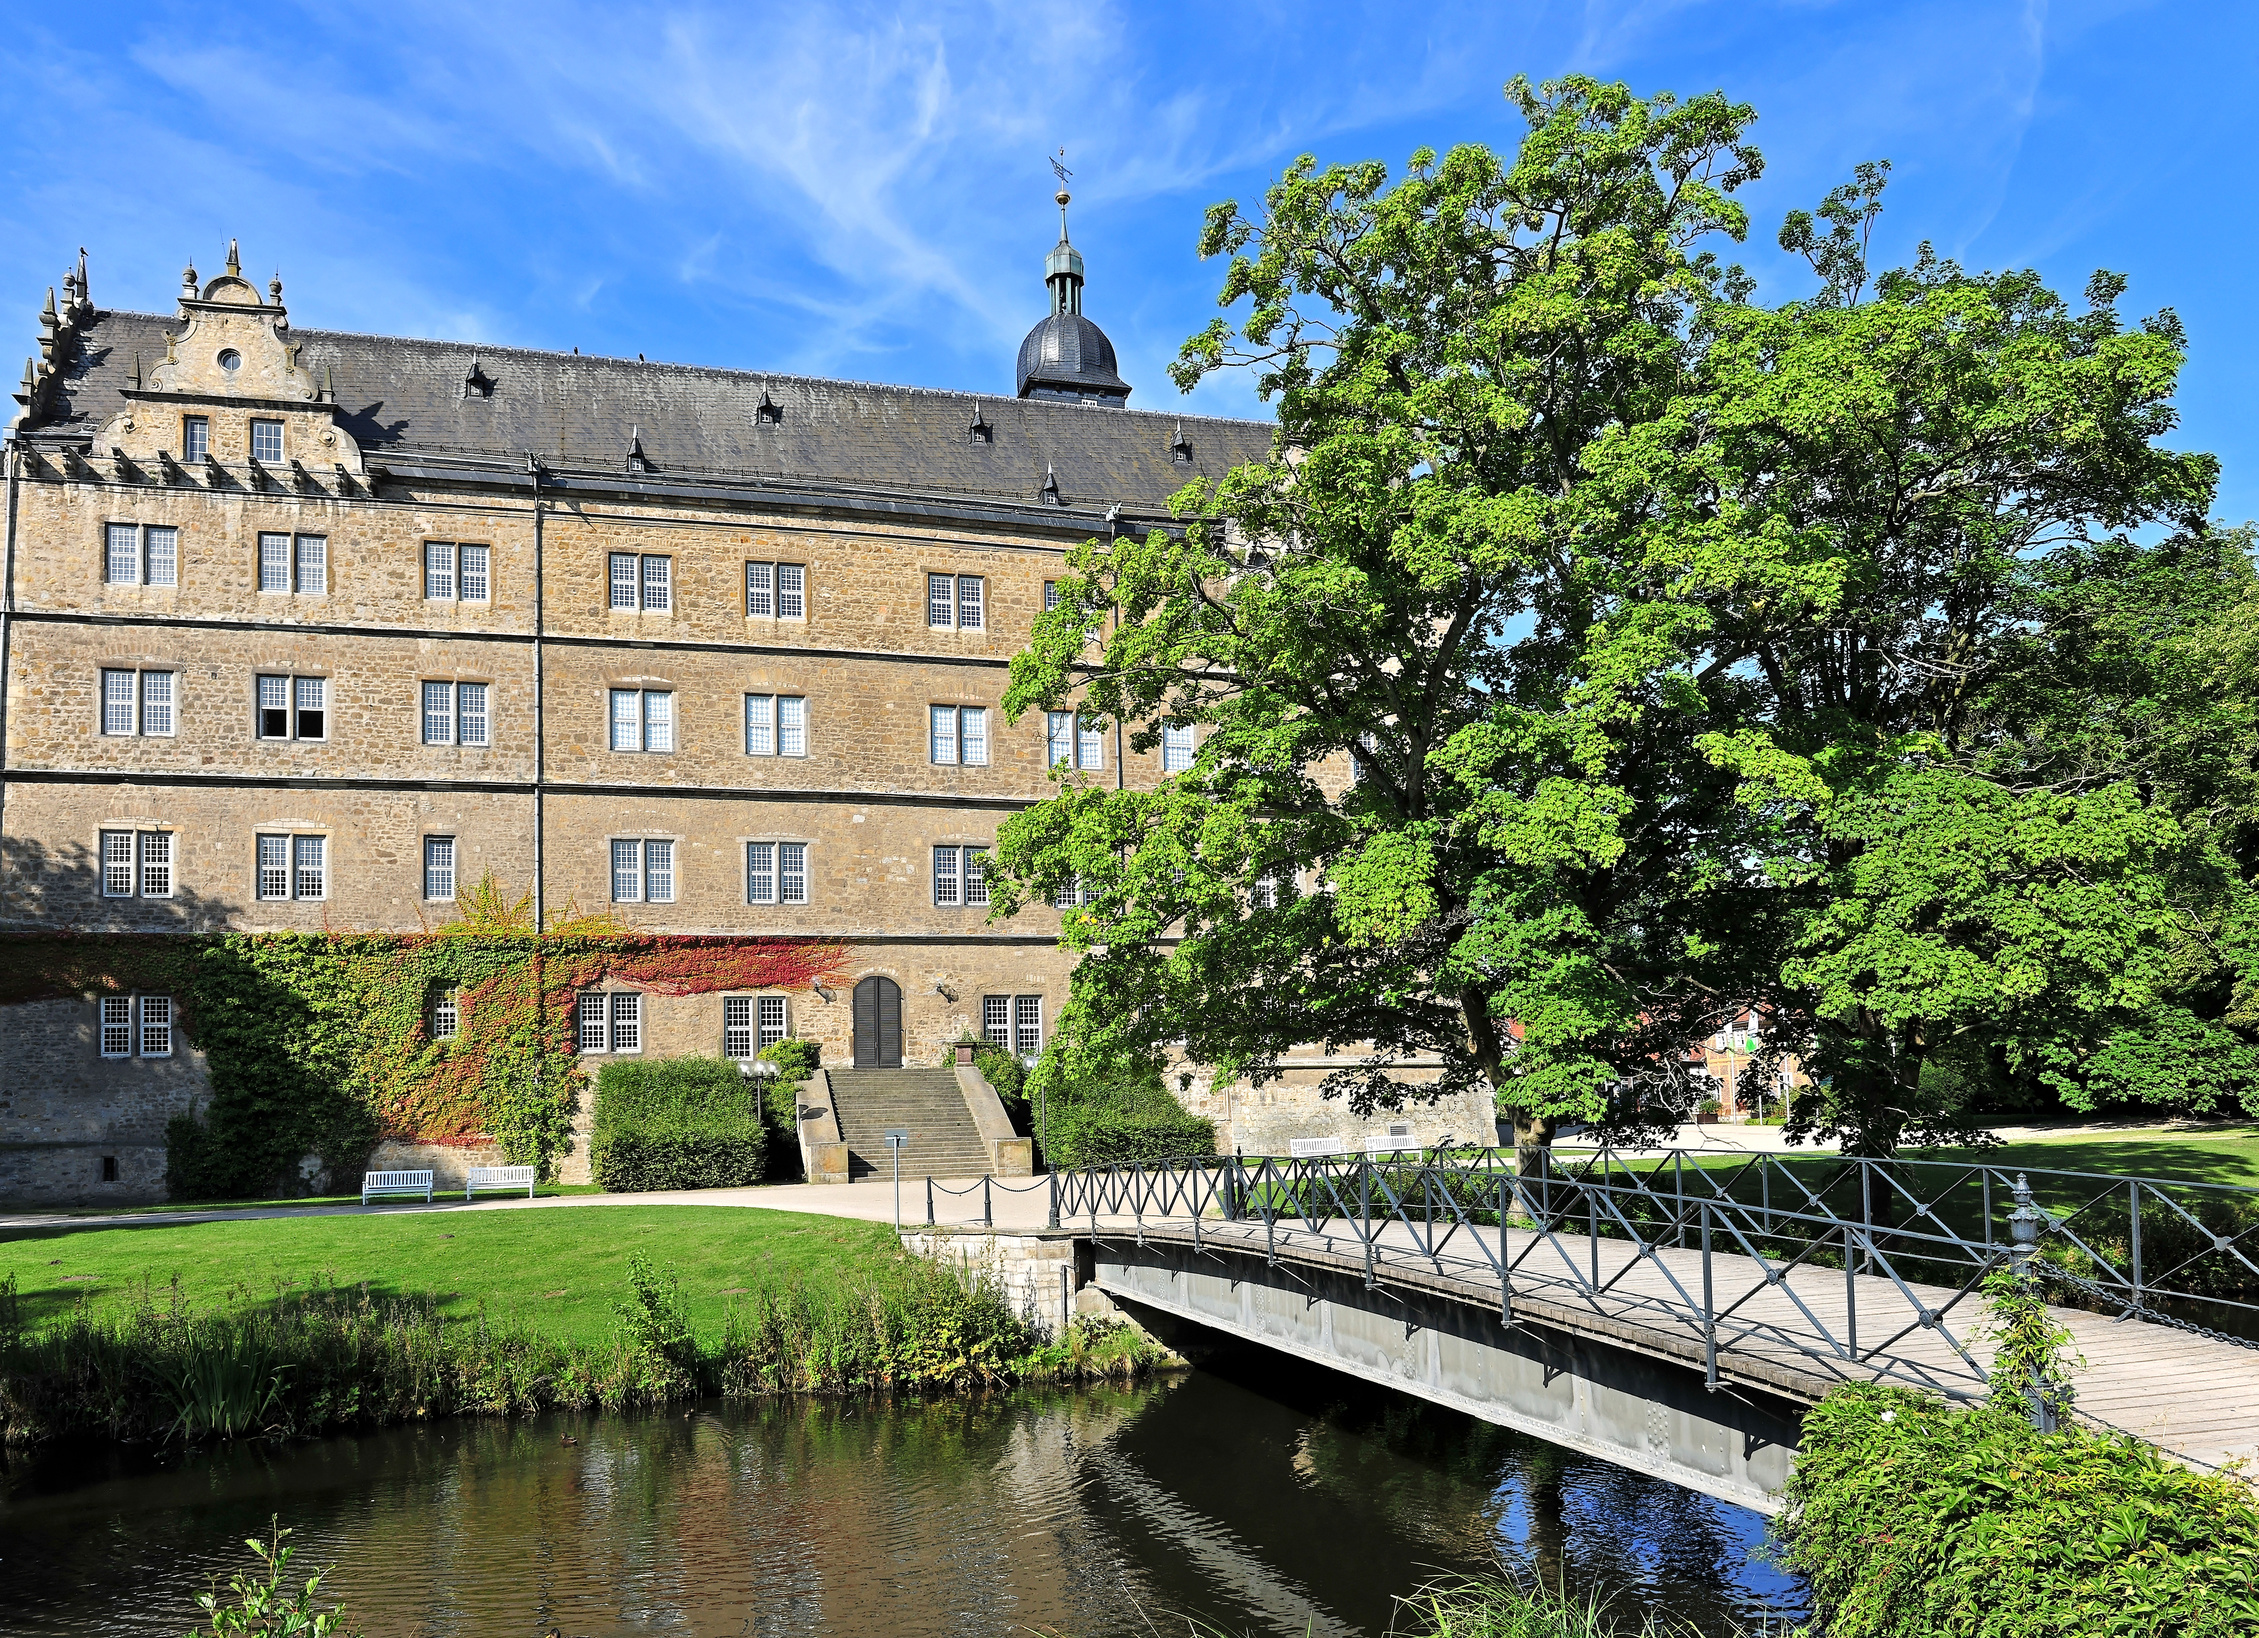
776, 591
1027, 1025
776, 725
611, 1021
1176, 747
455, 713
751, 1023
292, 707
156, 1026
1072, 893
439, 868
996, 1020
1269, 890
957, 735
266, 440
642, 581
956, 601
136, 864
313, 564
294, 563
643, 870
776, 872
1050, 595
195, 437
643, 719
141, 554
446, 1015
116, 1038
138, 702
291, 867
455, 572
960, 876
1071, 740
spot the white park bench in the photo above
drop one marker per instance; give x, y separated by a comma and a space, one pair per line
1390, 1146
391, 1185
1314, 1148
498, 1180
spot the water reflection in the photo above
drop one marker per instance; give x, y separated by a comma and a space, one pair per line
1262, 1495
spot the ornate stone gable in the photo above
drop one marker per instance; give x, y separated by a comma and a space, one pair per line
234, 361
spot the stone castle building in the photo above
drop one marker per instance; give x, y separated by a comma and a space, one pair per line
312, 630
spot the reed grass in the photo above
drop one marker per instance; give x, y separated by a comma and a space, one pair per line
315, 1358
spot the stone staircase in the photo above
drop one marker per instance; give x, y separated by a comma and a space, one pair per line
943, 1140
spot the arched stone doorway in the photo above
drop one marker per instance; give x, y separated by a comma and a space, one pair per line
878, 1024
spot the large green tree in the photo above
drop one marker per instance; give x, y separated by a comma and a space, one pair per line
1602, 651
1883, 503
1447, 806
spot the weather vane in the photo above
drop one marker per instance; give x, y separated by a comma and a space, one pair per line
1059, 170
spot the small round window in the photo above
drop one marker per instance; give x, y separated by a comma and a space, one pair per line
230, 359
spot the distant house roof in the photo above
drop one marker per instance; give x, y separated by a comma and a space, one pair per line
456, 403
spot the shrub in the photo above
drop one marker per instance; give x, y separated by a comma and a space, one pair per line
264, 1605
1121, 1121
1009, 1078
795, 1061
795, 1058
1910, 1518
676, 1123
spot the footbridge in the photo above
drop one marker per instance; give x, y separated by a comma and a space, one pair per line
1677, 1315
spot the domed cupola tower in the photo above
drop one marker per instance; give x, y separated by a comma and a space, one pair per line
1067, 356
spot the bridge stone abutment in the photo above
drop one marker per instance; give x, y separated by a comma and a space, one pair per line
1587, 1393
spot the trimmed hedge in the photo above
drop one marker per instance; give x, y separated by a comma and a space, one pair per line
1912, 1519
1123, 1119
676, 1123
1099, 1135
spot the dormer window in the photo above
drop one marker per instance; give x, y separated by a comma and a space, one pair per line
266, 442
195, 437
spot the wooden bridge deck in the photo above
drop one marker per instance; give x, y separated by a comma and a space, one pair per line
2194, 1397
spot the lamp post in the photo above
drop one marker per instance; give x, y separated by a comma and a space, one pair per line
896, 1136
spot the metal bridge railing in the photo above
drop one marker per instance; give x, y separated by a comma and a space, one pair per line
1860, 1266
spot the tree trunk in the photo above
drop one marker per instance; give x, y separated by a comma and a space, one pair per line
1533, 1143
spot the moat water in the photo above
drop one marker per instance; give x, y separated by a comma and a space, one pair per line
1257, 1495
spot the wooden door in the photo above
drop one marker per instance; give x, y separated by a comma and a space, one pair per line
878, 1024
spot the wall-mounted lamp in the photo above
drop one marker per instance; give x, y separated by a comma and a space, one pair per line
944, 991
823, 994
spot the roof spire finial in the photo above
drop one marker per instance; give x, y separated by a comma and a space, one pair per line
1059, 170
188, 280
234, 261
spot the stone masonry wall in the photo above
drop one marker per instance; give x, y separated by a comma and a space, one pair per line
64, 1108
1265, 1120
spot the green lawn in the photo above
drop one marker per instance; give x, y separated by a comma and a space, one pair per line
558, 1270
2213, 1154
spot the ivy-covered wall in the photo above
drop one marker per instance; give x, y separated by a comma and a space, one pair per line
321, 1043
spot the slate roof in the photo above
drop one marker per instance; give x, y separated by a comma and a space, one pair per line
406, 399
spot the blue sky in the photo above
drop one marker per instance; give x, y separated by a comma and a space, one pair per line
861, 190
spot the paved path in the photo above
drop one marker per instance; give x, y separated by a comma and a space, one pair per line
871, 1200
